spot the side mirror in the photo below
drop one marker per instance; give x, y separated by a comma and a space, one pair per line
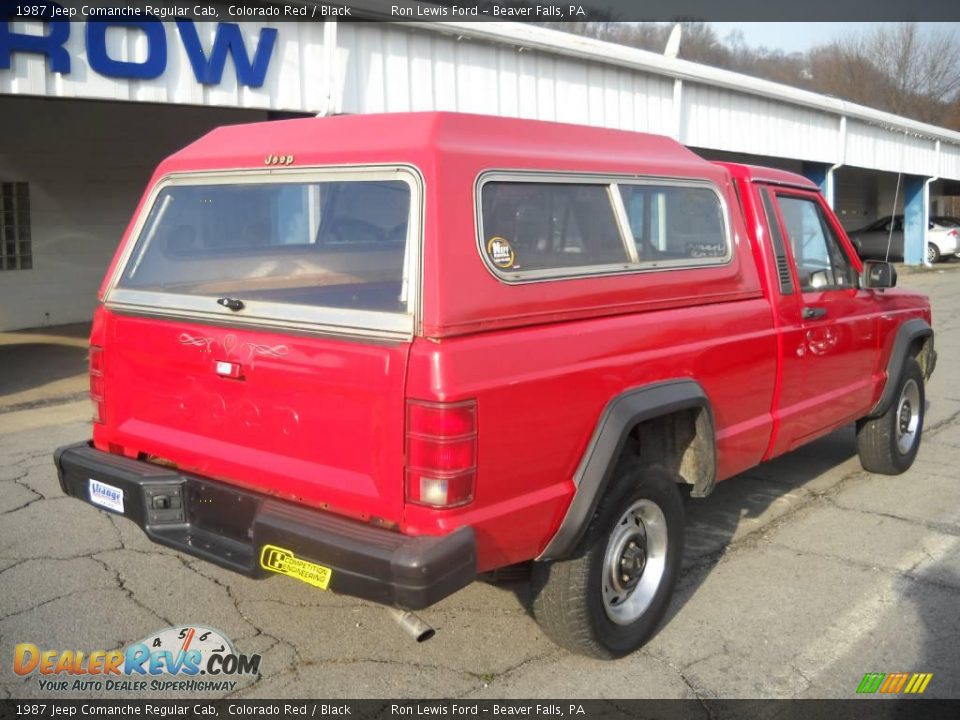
878, 275
819, 279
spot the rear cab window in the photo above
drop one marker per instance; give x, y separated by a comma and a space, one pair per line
335, 248
536, 227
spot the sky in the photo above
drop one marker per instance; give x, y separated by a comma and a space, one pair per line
799, 36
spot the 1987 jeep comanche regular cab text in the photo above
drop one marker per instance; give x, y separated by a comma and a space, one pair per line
385, 353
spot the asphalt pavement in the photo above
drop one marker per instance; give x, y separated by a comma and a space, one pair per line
800, 576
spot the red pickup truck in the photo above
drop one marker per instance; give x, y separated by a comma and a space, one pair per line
383, 354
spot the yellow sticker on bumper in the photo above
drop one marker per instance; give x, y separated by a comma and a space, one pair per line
282, 561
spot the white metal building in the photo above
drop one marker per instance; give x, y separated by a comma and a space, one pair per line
88, 110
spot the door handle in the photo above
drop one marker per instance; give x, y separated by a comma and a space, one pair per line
812, 313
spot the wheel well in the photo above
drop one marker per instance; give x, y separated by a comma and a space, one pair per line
682, 442
920, 350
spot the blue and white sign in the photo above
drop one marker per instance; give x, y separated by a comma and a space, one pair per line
208, 65
222, 57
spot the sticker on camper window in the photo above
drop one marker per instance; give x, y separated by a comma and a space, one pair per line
500, 252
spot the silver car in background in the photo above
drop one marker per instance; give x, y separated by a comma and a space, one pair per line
943, 239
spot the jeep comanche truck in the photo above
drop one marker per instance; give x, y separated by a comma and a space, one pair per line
383, 354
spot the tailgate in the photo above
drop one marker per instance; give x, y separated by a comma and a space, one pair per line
310, 419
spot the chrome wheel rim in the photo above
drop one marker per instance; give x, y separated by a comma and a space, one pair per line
634, 562
931, 254
908, 416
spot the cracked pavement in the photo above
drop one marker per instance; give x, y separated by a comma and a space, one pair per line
799, 576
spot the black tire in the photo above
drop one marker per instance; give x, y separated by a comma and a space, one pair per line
880, 440
933, 254
568, 595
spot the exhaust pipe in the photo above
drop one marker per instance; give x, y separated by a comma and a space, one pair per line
413, 625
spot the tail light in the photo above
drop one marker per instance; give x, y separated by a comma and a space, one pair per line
441, 453
953, 233
96, 382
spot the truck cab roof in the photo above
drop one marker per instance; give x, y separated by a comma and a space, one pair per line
773, 176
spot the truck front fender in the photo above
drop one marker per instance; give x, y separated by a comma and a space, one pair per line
599, 461
907, 334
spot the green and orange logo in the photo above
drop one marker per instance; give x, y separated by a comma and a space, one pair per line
894, 683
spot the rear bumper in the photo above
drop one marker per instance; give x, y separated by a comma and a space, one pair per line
229, 526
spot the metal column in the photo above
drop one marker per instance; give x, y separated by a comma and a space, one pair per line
914, 227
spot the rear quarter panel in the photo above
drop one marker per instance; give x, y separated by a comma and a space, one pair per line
541, 390
543, 359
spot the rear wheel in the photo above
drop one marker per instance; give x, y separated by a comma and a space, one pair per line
933, 253
609, 597
888, 444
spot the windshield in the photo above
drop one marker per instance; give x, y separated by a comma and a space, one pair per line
328, 244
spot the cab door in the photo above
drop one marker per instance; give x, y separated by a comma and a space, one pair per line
833, 328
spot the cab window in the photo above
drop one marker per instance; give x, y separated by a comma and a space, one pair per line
818, 256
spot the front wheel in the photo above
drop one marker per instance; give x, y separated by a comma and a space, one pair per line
609, 597
888, 444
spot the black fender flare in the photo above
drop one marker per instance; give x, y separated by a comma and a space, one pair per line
599, 460
907, 334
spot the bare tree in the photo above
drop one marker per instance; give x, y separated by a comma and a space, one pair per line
899, 68
923, 70
843, 69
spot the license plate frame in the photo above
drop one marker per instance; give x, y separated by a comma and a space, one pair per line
104, 495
